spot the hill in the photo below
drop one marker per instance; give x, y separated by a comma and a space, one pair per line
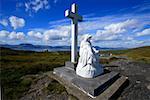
141, 54
40, 48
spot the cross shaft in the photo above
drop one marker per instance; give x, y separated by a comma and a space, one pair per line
73, 14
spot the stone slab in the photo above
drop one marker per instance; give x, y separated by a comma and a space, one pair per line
65, 73
112, 89
93, 86
108, 94
70, 65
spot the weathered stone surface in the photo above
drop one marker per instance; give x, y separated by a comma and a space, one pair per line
112, 89
93, 86
65, 73
70, 65
139, 78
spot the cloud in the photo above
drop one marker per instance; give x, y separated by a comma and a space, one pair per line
107, 31
16, 22
55, 36
12, 35
59, 33
120, 27
38, 29
36, 5
141, 8
3, 33
4, 22
59, 22
114, 31
145, 32
17, 35
55, 1
34, 34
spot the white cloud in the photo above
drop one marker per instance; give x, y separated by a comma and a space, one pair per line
120, 27
20, 35
145, 32
107, 31
56, 36
59, 22
103, 35
4, 22
114, 31
34, 34
60, 33
16, 22
36, 5
128, 38
12, 35
134, 43
16, 35
3, 33
55, 1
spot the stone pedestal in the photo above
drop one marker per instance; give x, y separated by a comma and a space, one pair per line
101, 87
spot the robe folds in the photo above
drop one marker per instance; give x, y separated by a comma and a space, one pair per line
88, 64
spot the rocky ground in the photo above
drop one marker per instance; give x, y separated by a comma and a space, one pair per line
139, 79
45, 88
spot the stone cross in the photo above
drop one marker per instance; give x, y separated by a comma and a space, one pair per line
73, 14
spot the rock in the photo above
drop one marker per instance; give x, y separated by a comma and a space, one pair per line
138, 81
139, 78
38, 89
148, 87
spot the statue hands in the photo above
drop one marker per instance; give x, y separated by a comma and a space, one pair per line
95, 51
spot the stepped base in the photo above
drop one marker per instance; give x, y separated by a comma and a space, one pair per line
102, 87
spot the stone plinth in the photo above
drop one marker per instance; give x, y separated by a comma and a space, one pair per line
102, 87
92, 87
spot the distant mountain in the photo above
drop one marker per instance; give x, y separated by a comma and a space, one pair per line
39, 48
31, 47
106, 48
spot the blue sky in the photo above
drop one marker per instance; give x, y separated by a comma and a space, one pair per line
112, 23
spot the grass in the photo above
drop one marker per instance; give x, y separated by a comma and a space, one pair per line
141, 54
16, 64
55, 87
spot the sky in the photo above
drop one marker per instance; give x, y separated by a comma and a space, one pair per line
112, 23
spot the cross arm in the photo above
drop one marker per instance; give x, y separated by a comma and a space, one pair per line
79, 17
69, 14
73, 15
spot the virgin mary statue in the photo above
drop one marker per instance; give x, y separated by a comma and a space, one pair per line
88, 64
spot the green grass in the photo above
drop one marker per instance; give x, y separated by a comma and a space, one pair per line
16, 64
141, 54
55, 87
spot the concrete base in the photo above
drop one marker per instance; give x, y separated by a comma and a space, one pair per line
93, 86
102, 87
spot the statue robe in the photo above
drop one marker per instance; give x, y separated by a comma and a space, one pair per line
88, 64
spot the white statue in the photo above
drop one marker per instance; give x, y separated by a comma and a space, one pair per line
88, 64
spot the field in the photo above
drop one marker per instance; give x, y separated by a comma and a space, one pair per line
141, 54
16, 64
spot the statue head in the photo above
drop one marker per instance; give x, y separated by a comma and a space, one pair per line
87, 37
